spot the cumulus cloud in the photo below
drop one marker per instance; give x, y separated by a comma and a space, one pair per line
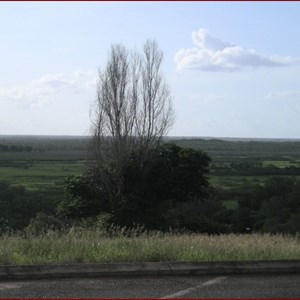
212, 54
37, 93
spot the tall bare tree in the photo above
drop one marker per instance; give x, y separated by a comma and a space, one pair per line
154, 114
133, 109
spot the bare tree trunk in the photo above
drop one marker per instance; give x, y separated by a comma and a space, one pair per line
156, 114
133, 109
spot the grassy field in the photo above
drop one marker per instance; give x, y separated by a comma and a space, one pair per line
282, 163
54, 158
93, 246
46, 174
229, 182
230, 204
39, 175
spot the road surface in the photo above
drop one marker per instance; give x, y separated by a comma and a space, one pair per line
235, 286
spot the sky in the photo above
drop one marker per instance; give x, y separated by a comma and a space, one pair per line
233, 68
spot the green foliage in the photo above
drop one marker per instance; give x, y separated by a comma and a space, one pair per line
273, 208
204, 216
152, 187
155, 185
32, 181
18, 206
83, 198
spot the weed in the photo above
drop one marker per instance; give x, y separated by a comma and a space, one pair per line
79, 245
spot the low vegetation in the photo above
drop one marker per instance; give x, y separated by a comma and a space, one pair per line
244, 214
79, 245
242, 197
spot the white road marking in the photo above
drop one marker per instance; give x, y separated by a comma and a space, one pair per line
192, 289
9, 286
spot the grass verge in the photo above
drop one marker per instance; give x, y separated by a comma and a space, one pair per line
92, 246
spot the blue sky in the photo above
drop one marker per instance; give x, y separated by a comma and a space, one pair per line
233, 67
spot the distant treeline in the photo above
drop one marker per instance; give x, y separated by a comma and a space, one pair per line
44, 143
253, 168
15, 148
218, 149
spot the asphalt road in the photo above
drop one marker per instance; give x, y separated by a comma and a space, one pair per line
237, 286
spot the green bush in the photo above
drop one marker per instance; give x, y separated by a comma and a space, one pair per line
18, 206
273, 208
83, 198
150, 187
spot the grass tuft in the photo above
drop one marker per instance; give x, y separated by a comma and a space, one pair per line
78, 245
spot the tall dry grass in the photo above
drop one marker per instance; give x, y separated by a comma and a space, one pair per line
78, 245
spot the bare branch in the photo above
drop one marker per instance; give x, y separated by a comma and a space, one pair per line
133, 108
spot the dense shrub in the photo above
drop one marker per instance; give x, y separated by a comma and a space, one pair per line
153, 189
18, 206
273, 208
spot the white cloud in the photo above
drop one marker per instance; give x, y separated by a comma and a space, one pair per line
37, 93
92, 84
212, 54
284, 95
207, 99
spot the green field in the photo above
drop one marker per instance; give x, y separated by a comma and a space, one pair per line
54, 158
229, 182
43, 174
236, 164
282, 163
39, 175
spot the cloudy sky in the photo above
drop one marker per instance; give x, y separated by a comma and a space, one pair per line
233, 68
